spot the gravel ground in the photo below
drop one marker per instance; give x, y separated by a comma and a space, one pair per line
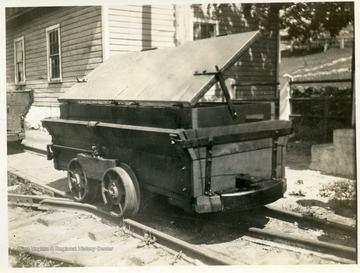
316, 194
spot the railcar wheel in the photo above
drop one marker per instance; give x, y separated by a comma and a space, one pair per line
119, 192
135, 182
81, 188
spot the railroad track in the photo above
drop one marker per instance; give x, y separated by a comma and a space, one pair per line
148, 225
280, 228
312, 244
190, 254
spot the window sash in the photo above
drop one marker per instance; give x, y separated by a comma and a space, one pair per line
54, 53
55, 66
203, 30
19, 60
53, 43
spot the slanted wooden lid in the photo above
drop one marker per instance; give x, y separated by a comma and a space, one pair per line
161, 77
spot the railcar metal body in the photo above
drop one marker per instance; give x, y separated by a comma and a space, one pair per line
139, 122
18, 105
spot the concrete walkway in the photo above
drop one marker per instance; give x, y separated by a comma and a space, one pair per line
33, 165
36, 168
36, 140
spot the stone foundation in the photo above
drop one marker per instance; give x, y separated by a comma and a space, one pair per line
338, 158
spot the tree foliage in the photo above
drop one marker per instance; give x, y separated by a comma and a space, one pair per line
312, 20
304, 20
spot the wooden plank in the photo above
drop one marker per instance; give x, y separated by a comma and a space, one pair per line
80, 61
85, 31
74, 71
35, 49
38, 37
44, 18
167, 15
205, 141
45, 100
224, 171
35, 72
82, 17
234, 148
140, 43
46, 95
160, 117
87, 44
92, 52
128, 8
151, 19
91, 23
47, 104
39, 86
139, 34
246, 73
114, 50
81, 43
256, 66
39, 23
220, 116
139, 8
38, 26
124, 48
144, 17
141, 26
148, 140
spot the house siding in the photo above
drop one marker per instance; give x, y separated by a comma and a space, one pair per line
135, 27
81, 48
258, 65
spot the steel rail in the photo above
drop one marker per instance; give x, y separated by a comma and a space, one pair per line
322, 247
276, 212
200, 253
47, 203
44, 202
34, 201
39, 184
349, 253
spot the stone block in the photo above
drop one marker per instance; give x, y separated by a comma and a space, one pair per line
338, 158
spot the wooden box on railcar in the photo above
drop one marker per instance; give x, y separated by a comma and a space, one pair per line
18, 105
144, 121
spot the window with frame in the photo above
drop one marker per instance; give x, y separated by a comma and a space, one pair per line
54, 53
19, 57
203, 30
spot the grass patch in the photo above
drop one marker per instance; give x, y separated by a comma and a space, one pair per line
342, 197
25, 260
342, 189
291, 64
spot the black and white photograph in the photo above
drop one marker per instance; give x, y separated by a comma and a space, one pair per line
159, 136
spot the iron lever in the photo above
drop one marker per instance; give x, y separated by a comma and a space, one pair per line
220, 78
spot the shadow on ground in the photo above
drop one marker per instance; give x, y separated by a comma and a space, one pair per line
15, 148
60, 184
345, 208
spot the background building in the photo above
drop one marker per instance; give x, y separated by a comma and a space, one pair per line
49, 49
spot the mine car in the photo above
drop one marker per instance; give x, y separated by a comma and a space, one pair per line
18, 105
166, 121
